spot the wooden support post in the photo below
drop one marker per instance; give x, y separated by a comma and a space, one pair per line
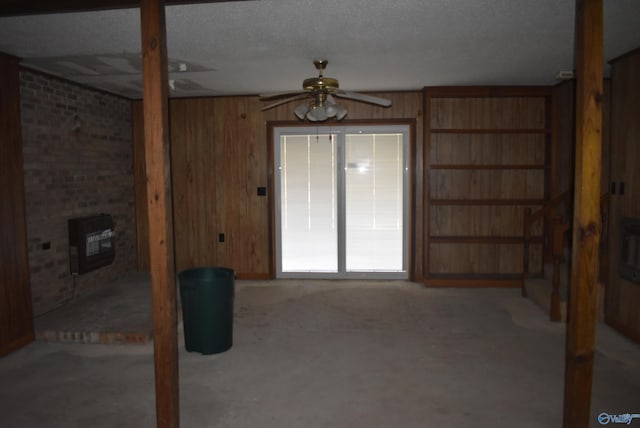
586, 225
158, 170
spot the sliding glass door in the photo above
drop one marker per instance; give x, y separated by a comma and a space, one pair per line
341, 202
308, 204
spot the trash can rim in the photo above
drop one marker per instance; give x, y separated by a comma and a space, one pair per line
207, 269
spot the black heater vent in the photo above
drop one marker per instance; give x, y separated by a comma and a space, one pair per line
91, 243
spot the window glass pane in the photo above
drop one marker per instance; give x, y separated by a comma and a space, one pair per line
374, 202
308, 203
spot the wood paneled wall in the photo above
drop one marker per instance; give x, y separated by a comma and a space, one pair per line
219, 160
566, 137
487, 156
622, 306
217, 165
488, 153
16, 313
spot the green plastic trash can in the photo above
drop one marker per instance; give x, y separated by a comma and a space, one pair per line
207, 308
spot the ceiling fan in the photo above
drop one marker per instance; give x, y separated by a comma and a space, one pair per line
321, 92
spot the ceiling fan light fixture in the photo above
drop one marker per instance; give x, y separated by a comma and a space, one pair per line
341, 112
317, 114
333, 109
301, 111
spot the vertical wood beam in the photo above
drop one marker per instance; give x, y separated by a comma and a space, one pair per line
16, 311
160, 215
580, 340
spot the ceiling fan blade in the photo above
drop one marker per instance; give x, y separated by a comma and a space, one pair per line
362, 97
284, 101
266, 97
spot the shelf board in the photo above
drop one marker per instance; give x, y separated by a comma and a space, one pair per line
489, 131
500, 280
486, 201
482, 239
486, 166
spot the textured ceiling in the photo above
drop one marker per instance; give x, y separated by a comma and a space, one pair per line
263, 46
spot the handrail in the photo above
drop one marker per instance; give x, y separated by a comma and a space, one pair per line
559, 226
565, 198
528, 220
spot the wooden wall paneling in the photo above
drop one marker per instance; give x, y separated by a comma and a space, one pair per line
231, 176
563, 176
241, 168
194, 186
476, 259
223, 207
16, 312
606, 137
487, 184
477, 220
243, 242
220, 158
257, 176
524, 150
504, 113
622, 300
181, 176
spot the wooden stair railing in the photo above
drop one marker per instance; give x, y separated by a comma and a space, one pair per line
555, 243
545, 212
559, 228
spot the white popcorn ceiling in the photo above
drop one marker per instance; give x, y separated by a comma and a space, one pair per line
267, 46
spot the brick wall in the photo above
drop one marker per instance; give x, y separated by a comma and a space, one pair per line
77, 162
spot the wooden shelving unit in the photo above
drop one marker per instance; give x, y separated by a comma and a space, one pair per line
486, 157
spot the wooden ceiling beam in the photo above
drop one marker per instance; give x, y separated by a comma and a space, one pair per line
39, 7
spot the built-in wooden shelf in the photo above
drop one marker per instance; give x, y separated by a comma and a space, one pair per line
523, 202
485, 166
489, 131
482, 239
498, 280
486, 159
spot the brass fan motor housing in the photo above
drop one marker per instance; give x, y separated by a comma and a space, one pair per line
321, 84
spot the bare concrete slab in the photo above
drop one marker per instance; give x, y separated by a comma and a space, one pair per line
119, 312
334, 354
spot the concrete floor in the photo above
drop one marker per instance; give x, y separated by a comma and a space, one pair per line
327, 354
